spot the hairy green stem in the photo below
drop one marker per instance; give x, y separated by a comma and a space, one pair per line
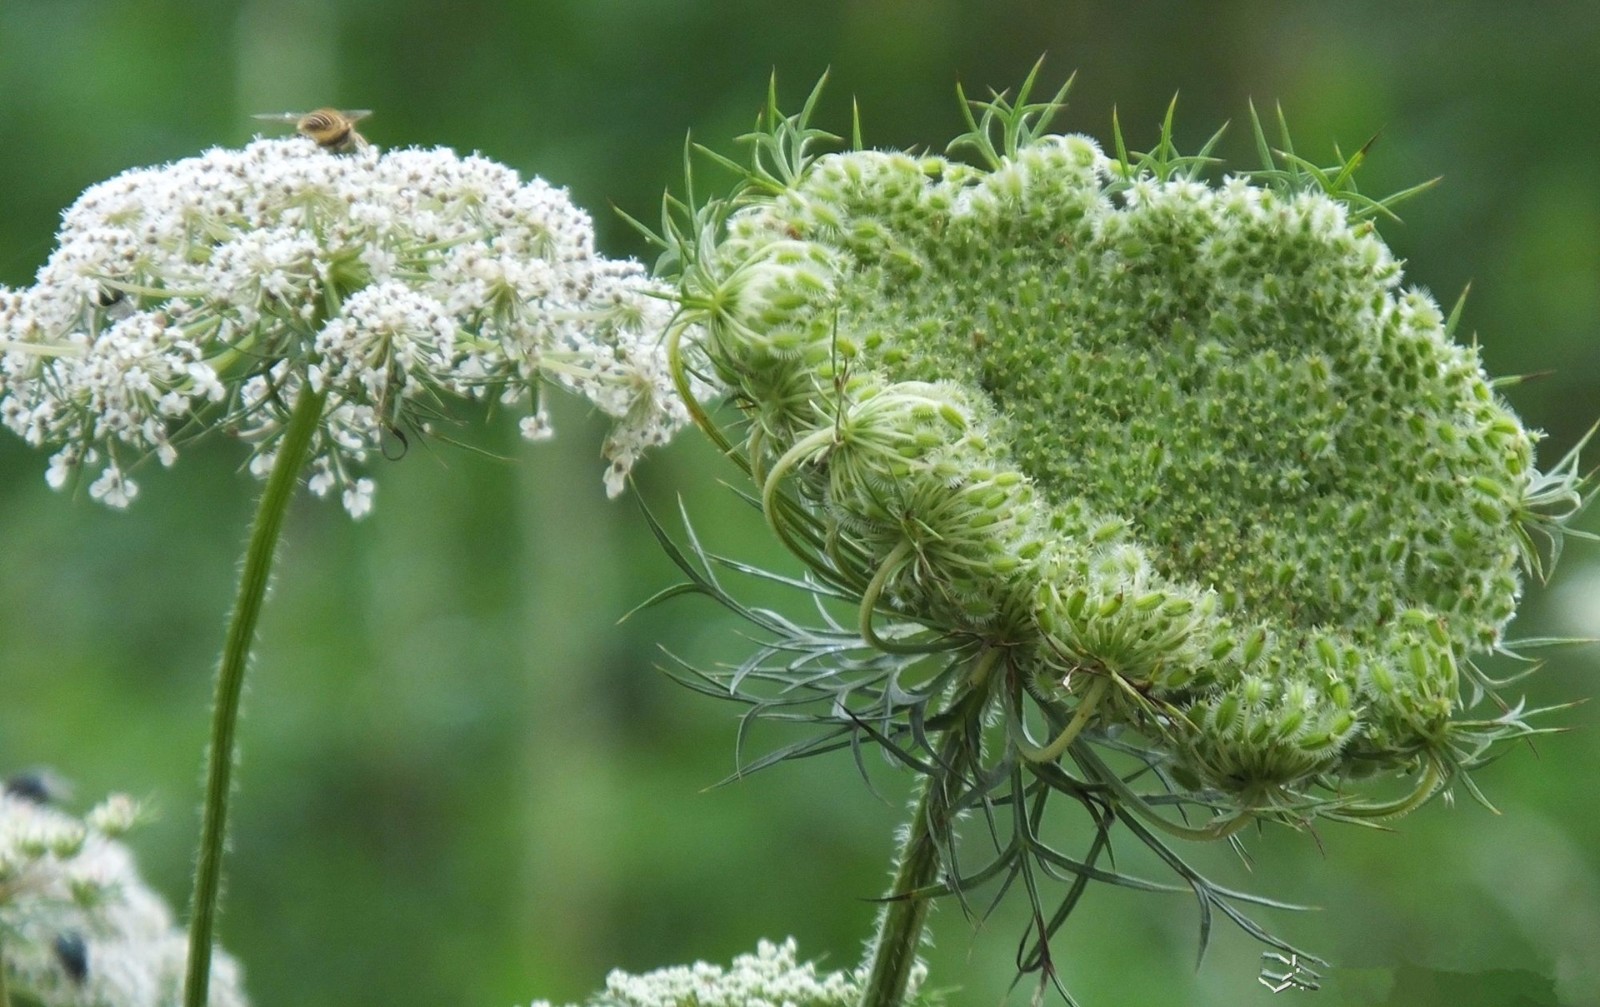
894, 947
292, 451
894, 951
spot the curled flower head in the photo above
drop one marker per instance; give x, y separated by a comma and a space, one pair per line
1162, 496
210, 291
78, 926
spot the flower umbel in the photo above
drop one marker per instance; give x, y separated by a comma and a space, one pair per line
1123, 471
772, 977
205, 293
78, 926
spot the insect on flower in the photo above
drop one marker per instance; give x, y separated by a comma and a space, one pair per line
73, 955
331, 128
36, 786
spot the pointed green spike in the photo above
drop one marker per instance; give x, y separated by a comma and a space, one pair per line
810, 106
1167, 121
1455, 312
1263, 149
1385, 204
1204, 154
1283, 130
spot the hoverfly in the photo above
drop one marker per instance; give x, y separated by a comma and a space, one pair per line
331, 128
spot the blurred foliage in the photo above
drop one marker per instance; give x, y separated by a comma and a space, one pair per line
462, 780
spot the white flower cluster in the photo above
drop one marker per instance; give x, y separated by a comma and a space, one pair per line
772, 977
78, 926
211, 291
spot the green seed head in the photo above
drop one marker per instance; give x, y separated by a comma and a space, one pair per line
1197, 438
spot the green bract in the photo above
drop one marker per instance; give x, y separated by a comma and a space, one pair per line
1190, 454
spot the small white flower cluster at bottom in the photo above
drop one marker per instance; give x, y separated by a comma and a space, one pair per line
772, 977
78, 926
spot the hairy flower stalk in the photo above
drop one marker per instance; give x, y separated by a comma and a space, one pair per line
894, 955
1232, 516
321, 309
220, 752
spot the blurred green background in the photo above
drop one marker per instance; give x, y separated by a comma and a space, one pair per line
463, 782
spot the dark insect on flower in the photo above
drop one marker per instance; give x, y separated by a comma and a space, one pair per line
37, 786
73, 954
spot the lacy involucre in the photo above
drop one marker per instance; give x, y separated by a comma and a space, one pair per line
1194, 437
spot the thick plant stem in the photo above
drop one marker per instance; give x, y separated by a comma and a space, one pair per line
900, 929
281, 482
894, 949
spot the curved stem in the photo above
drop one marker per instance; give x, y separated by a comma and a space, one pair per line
1080, 719
1432, 779
798, 451
772, 501
894, 947
680, 381
869, 597
869, 603
292, 451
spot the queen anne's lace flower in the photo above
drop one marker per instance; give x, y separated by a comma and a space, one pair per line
209, 291
78, 926
772, 977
